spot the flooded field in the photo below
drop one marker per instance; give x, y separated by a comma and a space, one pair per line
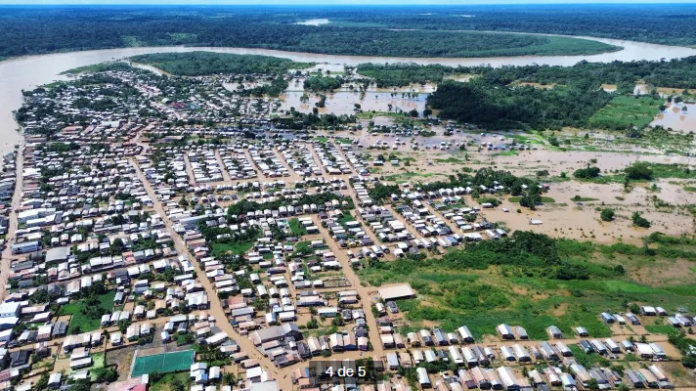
344, 102
565, 217
680, 117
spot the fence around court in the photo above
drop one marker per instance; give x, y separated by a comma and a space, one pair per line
162, 363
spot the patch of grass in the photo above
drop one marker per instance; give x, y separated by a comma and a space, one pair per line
579, 198
321, 139
483, 297
343, 140
97, 363
346, 218
163, 383
296, 227
80, 319
233, 248
624, 111
660, 328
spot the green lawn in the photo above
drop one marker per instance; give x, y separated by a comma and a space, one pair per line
78, 319
296, 227
346, 218
660, 328
624, 111
163, 383
321, 139
234, 248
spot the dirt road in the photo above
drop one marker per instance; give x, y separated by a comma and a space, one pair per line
215, 305
16, 200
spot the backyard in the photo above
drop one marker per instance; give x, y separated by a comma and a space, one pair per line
85, 314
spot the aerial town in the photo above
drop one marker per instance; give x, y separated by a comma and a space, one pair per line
174, 233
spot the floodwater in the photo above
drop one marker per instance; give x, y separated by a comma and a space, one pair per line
676, 117
31, 71
344, 102
313, 22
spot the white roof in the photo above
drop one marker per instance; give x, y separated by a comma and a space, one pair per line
396, 292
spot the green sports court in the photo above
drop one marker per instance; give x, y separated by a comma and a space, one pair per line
163, 363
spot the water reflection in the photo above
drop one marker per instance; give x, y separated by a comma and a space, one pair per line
680, 117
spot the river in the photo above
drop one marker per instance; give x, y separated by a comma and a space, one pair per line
28, 72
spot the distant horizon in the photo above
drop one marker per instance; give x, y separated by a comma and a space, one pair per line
339, 2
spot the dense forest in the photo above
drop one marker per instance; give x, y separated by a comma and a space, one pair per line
209, 63
675, 74
35, 30
483, 103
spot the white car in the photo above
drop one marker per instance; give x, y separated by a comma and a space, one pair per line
506, 210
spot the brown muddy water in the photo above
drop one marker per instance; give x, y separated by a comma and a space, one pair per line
677, 118
344, 102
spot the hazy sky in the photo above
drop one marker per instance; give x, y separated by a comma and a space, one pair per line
337, 2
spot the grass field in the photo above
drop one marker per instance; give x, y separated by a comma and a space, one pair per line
163, 363
483, 298
624, 111
163, 384
78, 319
296, 227
234, 248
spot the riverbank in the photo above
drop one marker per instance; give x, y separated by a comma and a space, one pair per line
28, 72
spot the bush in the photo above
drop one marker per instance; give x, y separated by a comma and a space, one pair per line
640, 221
639, 171
607, 214
586, 173
689, 361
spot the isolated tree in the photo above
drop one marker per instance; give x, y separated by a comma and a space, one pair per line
607, 214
